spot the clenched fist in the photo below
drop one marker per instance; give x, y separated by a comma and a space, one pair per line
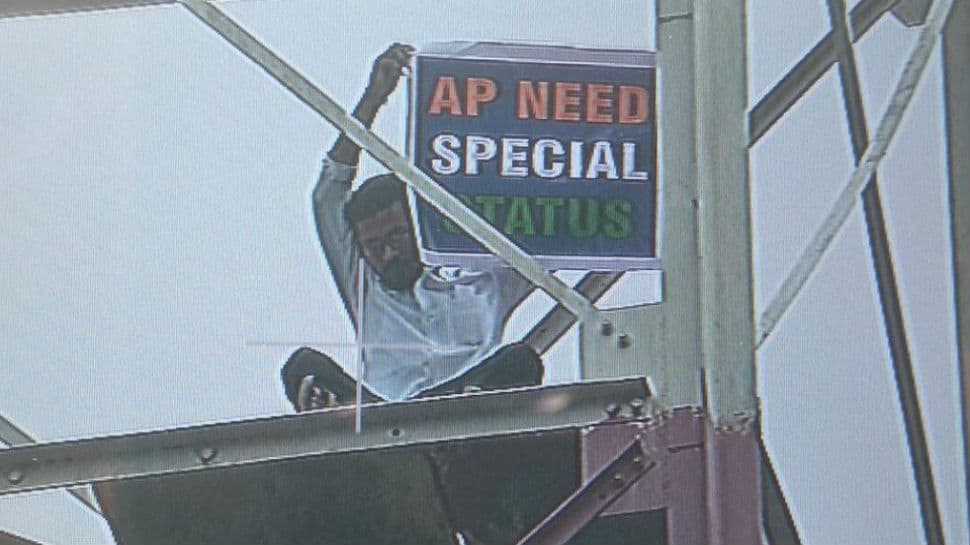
387, 71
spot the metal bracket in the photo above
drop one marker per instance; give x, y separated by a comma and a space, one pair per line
911, 12
557, 322
625, 342
595, 496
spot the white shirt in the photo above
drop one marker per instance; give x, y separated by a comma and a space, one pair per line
413, 340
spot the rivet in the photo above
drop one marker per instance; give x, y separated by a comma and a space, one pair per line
618, 480
623, 340
15, 477
613, 410
636, 406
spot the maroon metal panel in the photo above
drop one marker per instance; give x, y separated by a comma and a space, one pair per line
708, 481
734, 486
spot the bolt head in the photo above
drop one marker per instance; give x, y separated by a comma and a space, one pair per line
606, 328
207, 454
623, 340
15, 477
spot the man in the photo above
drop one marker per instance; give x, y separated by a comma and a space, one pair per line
425, 331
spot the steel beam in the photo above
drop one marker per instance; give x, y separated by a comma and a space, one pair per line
845, 203
724, 212
12, 435
882, 262
662, 341
21, 8
427, 188
680, 347
557, 321
10, 539
773, 106
329, 431
911, 12
593, 497
779, 525
956, 77
726, 289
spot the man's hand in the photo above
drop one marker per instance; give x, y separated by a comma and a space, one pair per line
384, 76
387, 71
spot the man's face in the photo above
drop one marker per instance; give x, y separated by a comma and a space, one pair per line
387, 242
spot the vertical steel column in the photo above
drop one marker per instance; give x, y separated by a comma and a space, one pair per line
727, 325
956, 76
882, 262
681, 285
727, 315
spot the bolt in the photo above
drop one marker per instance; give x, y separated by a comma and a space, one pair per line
606, 328
15, 476
618, 480
638, 462
207, 454
613, 410
636, 406
623, 340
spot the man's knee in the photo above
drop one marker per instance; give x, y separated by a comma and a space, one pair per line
520, 364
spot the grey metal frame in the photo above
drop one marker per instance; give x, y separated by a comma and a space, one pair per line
776, 103
12, 435
705, 203
446, 203
27, 8
956, 76
329, 431
882, 262
597, 494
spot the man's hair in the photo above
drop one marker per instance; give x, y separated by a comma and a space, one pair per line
375, 194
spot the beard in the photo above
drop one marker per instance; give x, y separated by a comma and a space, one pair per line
401, 273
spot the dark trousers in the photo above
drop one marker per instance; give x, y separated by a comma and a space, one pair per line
511, 366
472, 482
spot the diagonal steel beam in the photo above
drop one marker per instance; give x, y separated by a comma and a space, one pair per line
819, 244
11, 539
773, 106
23, 8
13, 436
591, 499
557, 321
779, 525
882, 262
422, 184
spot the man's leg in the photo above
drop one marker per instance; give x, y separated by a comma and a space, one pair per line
327, 375
512, 366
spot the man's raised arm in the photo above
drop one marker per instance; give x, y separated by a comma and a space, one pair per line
384, 76
334, 184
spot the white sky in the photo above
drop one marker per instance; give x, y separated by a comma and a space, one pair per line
159, 261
